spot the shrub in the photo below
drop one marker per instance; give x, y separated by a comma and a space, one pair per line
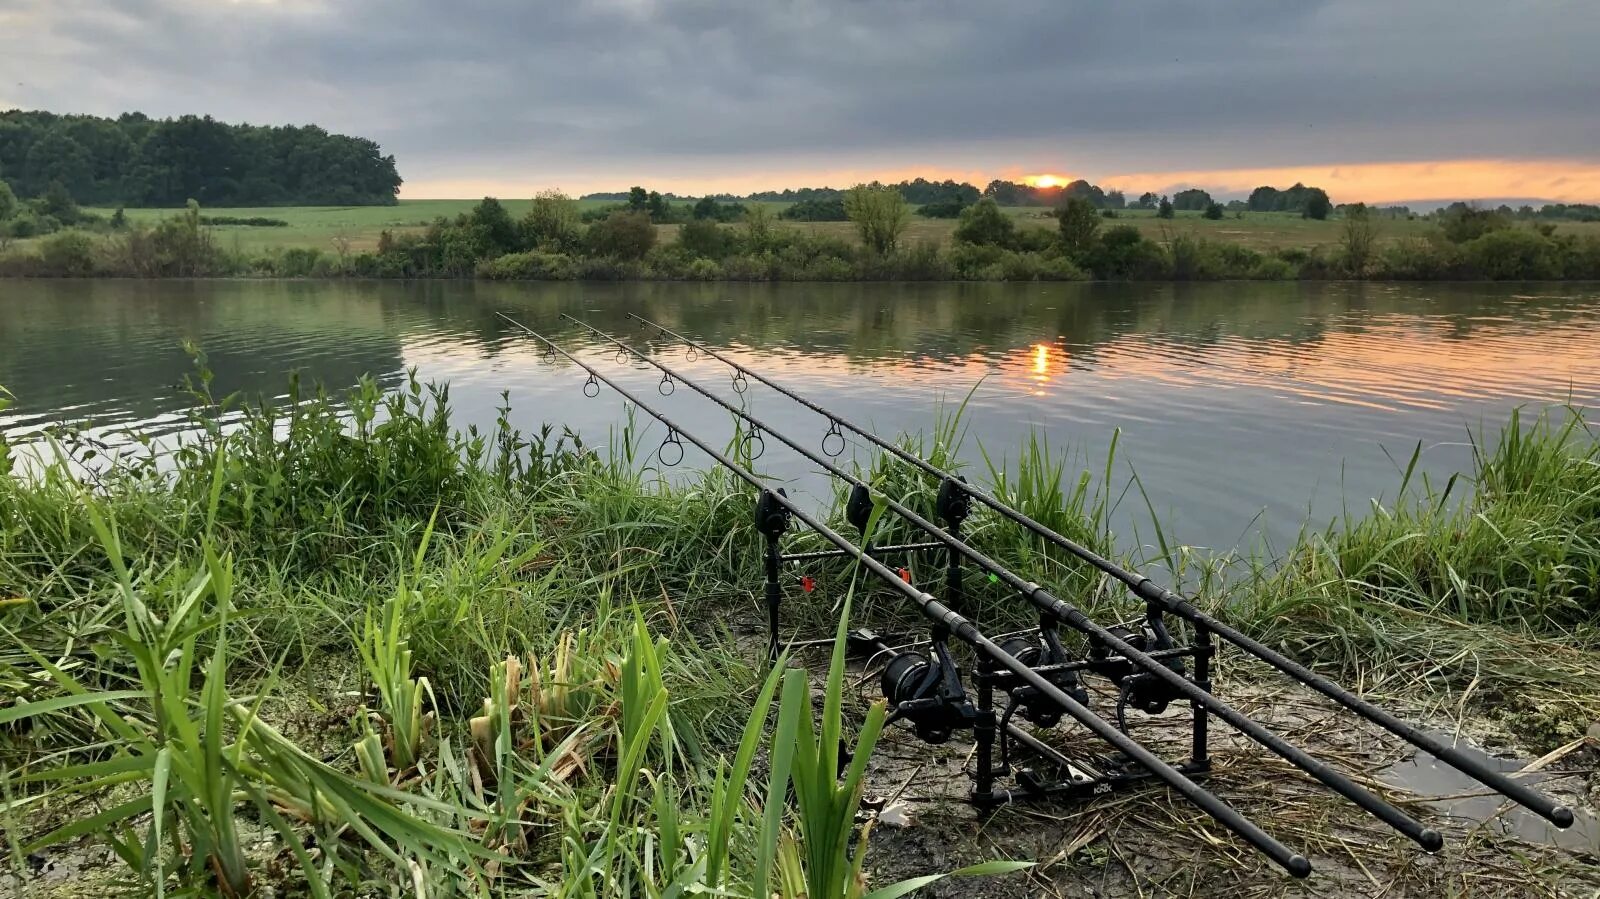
943, 209
880, 215
984, 224
299, 262
8, 202
255, 221
829, 210
703, 270
1462, 223
1419, 259
1124, 254
1078, 223
553, 223
1272, 268
622, 235
532, 265
70, 254
704, 237
1512, 254
1213, 211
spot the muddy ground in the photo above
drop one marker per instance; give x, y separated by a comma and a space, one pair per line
1148, 841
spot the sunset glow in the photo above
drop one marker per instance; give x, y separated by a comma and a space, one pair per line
1046, 180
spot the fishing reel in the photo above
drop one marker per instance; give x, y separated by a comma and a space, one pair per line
924, 691
1142, 690
1036, 707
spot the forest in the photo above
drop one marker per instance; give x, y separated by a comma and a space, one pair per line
134, 160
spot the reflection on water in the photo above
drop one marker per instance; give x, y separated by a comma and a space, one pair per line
1243, 406
1455, 794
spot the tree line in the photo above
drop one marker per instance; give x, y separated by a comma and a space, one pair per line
558, 240
134, 160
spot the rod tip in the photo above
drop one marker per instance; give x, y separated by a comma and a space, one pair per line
1299, 866
1561, 816
1430, 839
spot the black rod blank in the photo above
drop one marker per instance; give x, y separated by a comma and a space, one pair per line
1148, 590
1426, 837
1297, 865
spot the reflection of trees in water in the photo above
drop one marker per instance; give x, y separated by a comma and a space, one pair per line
869, 323
85, 343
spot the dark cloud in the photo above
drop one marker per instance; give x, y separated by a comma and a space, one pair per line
504, 88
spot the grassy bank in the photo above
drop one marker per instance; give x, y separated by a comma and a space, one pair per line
341, 648
559, 239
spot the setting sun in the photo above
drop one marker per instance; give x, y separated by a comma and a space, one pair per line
1046, 180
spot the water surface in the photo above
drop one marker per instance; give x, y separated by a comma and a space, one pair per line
1245, 409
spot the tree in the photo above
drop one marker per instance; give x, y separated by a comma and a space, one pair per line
758, 230
1116, 199
703, 237
494, 227
638, 199
1357, 236
1213, 211
880, 215
1192, 200
984, 224
1463, 222
1164, 209
8, 202
707, 208
660, 212
57, 203
1147, 200
830, 209
1317, 204
622, 235
1264, 199
942, 209
1079, 223
553, 223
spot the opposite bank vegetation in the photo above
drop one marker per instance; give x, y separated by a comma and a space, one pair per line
555, 241
338, 647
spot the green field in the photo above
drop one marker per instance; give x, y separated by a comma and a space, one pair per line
325, 227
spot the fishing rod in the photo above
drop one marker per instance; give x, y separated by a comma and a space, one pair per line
778, 508
1062, 611
1151, 592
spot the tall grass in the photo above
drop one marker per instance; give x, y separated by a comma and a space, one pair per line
453, 663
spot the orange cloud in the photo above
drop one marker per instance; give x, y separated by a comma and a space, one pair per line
1568, 180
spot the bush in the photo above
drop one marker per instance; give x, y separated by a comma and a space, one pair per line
984, 224
248, 222
829, 210
704, 237
1272, 268
880, 214
532, 265
622, 235
1213, 212
943, 209
299, 262
1124, 254
1462, 223
1419, 259
1078, 223
70, 254
553, 223
1512, 254
703, 270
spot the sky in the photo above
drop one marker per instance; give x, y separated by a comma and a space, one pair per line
1375, 100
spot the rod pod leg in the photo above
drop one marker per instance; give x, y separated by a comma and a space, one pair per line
772, 520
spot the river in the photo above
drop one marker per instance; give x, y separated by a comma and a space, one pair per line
1247, 409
